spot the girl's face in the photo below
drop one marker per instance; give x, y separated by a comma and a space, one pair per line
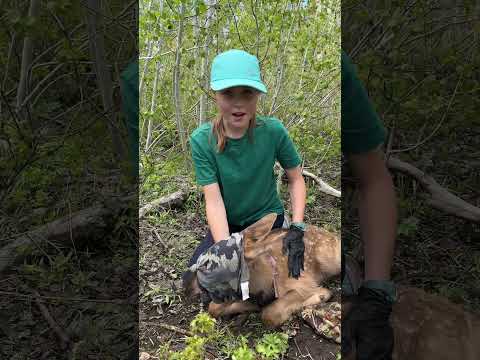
237, 106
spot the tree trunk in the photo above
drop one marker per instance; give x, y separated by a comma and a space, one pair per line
204, 69
152, 106
144, 72
104, 80
27, 55
304, 65
149, 56
176, 82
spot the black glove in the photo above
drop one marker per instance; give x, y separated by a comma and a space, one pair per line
367, 326
293, 246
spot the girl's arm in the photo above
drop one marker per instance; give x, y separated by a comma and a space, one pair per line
377, 212
298, 193
216, 213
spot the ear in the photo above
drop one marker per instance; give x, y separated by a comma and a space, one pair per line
260, 229
190, 284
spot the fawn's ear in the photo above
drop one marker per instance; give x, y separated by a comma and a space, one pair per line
260, 229
190, 284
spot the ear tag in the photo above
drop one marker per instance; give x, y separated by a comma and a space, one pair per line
245, 291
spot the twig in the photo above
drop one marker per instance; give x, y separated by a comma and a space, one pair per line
160, 239
51, 321
438, 125
169, 327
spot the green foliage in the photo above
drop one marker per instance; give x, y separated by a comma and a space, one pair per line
203, 324
194, 350
243, 353
303, 39
272, 346
269, 347
316, 141
408, 226
162, 295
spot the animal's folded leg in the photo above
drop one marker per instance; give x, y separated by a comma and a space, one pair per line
281, 309
227, 309
321, 295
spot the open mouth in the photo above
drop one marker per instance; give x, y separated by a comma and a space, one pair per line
238, 114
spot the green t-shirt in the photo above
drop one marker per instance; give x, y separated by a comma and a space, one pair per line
244, 170
362, 130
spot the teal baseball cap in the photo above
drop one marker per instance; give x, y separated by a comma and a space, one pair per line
236, 68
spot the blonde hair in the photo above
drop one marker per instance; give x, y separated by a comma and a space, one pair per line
218, 130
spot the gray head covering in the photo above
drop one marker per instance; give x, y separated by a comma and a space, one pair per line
222, 269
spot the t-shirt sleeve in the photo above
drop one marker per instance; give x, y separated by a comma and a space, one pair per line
204, 163
286, 152
362, 129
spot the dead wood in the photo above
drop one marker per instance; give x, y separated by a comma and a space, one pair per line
323, 186
173, 200
440, 198
169, 327
89, 222
51, 322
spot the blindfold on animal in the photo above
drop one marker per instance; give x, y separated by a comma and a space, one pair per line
221, 270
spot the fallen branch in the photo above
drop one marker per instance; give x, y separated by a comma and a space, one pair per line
51, 321
82, 224
67, 299
324, 187
173, 200
169, 327
441, 198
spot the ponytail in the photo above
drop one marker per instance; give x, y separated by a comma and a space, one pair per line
218, 129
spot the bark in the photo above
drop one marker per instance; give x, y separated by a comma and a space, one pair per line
144, 72
204, 68
323, 186
173, 200
27, 57
152, 106
79, 226
440, 198
176, 82
104, 80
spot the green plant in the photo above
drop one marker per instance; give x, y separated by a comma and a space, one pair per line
162, 295
408, 226
271, 346
203, 327
243, 352
203, 324
194, 350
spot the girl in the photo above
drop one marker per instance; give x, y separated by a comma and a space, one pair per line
234, 157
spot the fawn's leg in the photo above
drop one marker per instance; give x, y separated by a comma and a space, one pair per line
320, 295
281, 309
225, 309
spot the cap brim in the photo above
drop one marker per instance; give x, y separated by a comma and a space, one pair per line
228, 83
